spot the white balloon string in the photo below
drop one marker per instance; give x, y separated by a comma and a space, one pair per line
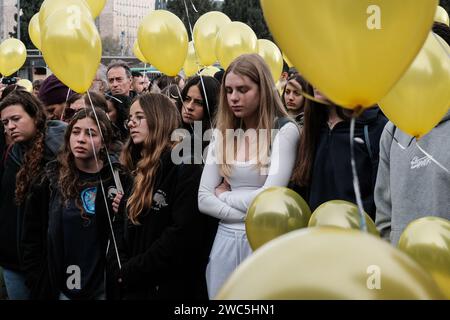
104, 197
429, 156
363, 224
65, 105
396, 141
197, 62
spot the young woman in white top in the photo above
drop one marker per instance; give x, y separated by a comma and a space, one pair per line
245, 157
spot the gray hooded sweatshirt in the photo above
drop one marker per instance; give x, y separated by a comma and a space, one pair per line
409, 184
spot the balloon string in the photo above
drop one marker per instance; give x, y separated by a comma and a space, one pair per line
363, 224
310, 97
396, 141
429, 156
116, 177
65, 105
104, 196
196, 61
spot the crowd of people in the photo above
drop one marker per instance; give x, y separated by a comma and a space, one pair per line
93, 205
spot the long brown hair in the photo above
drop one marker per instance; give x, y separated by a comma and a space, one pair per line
34, 155
315, 117
305, 86
270, 107
69, 182
162, 118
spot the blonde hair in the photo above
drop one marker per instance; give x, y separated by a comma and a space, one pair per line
270, 107
162, 118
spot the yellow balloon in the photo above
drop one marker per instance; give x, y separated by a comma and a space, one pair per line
441, 16
288, 61
272, 56
205, 34
12, 56
163, 40
427, 240
209, 71
352, 51
96, 7
137, 52
235, 39
421, 98
274, 212
191, 64
340, 213
48, 7
26, 84
72, 48
329, 263
34, 31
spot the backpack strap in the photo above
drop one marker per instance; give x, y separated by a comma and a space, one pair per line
280, 122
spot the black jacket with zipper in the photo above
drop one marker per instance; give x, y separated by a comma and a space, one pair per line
332, 177
42, 239
165, 257
11, 215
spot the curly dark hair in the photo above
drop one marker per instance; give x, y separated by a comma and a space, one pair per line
33, 161
69, 182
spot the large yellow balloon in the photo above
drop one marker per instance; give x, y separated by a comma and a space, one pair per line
274, 212
353, 51
96, 6
48, 7
137, 52
12, 56
191, 64
441, 16
72, 48
421, 98
329, 263
205, 34
340, 213
34, 31
272, 56
163, 40
233, 40
26, 84
427, 240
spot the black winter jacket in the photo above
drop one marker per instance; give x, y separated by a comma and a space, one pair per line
42, 240
332, 177
165, 257
11, 217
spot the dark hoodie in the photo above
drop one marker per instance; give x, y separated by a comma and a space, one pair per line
11, 217
332, 177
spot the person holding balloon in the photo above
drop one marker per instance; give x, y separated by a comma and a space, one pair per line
325, 165
234, 175
413, 176
71, 202
36, 142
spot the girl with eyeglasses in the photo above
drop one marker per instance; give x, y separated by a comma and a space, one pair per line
163, 234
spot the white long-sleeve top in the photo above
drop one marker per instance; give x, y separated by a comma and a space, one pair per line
246, 180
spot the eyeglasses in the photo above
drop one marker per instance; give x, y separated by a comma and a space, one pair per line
136, 121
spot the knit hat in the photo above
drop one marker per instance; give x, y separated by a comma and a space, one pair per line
53, 91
